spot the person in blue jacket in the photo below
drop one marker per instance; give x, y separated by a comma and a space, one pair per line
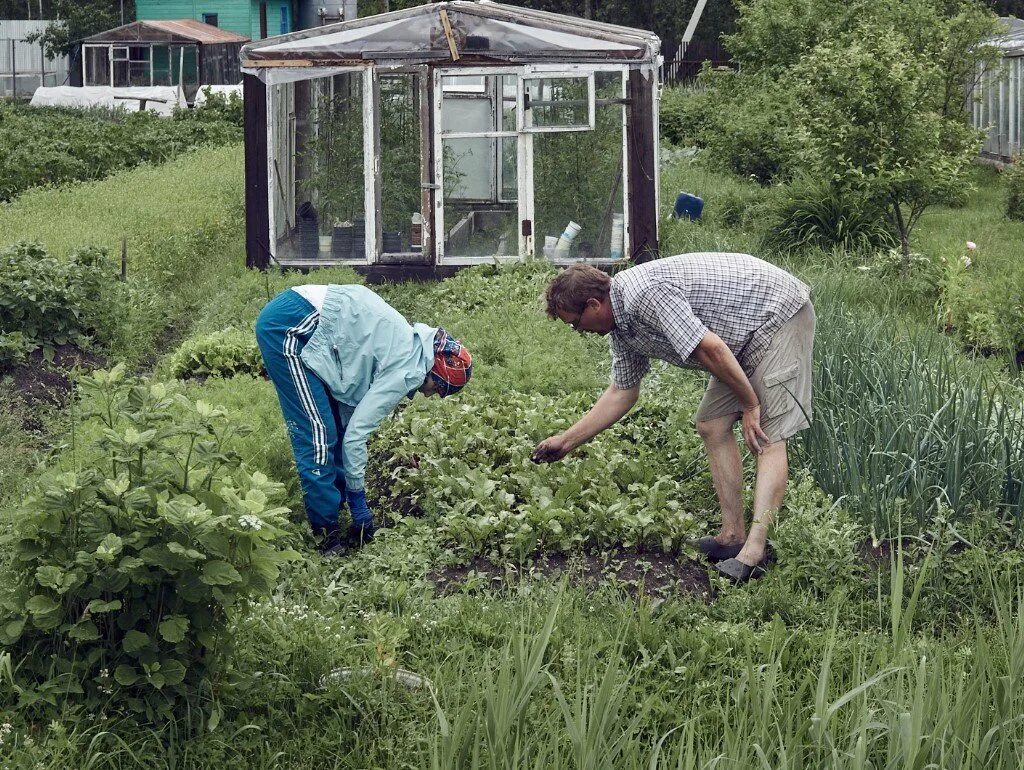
341, 360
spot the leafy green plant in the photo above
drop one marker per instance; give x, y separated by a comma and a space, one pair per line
216, 108
128, 565
46, 302
1015, 190
812, 214
225, 353
478, 482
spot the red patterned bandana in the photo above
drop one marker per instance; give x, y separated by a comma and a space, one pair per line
453, 365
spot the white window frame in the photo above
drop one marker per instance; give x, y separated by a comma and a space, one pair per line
536, 74
369, 173
524, 206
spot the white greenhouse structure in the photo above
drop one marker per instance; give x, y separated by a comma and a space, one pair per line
451, 134
997, 97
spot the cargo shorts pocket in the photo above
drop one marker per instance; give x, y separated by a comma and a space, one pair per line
779, 387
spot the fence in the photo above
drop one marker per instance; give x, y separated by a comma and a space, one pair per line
24, 66
688, 58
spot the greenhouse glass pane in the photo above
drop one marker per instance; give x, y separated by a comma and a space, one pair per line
318, 176
400, 164
556, 102
476, 224
578, 177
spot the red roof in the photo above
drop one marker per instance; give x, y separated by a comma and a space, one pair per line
204, 33
155, 30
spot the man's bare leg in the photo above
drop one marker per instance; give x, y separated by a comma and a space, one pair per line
772, 474
727, 474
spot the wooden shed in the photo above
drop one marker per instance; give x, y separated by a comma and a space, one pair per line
451, 134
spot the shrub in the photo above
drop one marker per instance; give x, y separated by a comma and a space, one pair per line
127, 568
746, 125
813, 214
684, 115
45, 302
221, 354
1015, 190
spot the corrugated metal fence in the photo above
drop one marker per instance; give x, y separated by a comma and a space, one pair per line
24, 66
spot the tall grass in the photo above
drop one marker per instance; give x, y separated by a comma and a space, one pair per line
904, 426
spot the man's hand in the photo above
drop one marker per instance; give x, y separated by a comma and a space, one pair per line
752, 433
551, 449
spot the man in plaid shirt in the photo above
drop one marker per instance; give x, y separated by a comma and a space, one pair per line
750, 324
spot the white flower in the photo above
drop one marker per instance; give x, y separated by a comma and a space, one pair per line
249, 521
966, 260
5, 730
971, 245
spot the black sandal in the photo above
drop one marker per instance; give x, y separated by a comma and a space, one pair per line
715, 551
738, 572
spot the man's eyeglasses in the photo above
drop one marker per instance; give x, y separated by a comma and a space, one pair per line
575, 325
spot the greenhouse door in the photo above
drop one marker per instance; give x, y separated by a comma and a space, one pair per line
479, 208
525, 154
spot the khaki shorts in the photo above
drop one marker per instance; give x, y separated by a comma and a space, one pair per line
782, 382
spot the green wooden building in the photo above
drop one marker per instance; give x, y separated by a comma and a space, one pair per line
255, 19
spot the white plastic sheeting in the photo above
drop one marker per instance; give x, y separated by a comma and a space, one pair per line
224, 91
159, 99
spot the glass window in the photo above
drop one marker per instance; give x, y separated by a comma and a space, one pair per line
285, 20
161, 65
97, 66
210, 18
578, 177
558, 103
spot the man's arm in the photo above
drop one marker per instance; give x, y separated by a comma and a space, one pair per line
715, 356
609, 409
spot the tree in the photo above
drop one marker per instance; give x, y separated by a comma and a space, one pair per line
880, 89
79, 19
871, 122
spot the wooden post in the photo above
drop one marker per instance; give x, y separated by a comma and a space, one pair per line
257, 205
643, 214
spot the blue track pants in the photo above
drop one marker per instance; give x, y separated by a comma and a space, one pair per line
312, 417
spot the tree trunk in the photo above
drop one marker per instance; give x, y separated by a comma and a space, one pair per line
904, 233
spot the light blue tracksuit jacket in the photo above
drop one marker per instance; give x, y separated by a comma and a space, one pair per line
365, 357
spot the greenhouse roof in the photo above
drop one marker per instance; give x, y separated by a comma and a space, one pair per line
172, 31
1012, 42
456, 31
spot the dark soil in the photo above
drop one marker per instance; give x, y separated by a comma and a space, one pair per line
38, 382
637, 572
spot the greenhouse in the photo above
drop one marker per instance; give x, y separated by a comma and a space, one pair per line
997, 96
452, 134
182, 53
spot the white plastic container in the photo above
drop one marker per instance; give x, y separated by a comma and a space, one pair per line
550, 242
565, 241
618, 240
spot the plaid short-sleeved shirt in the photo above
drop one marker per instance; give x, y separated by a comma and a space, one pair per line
663, 309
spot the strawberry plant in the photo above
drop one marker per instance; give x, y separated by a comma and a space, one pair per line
127, 566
